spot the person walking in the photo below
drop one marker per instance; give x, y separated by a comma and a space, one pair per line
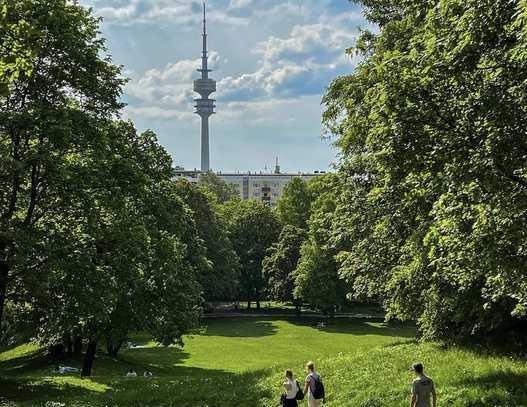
314, 388
423, 388
291, 390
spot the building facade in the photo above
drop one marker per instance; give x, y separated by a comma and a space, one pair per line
264, 187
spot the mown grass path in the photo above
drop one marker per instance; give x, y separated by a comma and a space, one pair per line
239, 362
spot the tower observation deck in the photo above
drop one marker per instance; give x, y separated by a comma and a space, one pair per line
205, 106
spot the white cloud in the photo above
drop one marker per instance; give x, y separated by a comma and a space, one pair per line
235, 4
180, 12
300, 64
297, 64
171, 86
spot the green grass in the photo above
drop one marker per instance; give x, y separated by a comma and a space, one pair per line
239, 362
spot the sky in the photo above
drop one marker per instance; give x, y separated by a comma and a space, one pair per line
272, 60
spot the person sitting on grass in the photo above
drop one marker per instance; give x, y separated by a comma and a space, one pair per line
422, 389
148, 374
291, 390
131, 373
313, 386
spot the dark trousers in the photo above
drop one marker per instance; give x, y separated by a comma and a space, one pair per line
290, 403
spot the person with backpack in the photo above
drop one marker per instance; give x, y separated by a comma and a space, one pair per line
314, 388
293, 392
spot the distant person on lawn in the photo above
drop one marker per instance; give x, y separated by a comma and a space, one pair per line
131, 373
314, 388
291, 390
422, 389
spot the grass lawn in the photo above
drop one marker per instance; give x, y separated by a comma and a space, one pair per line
239, 362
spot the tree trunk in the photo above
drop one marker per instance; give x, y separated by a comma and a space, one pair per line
248, 304
4, 272
257, 296
88, 359
77, 346
113, 348
56, 351
68, 345
298, 309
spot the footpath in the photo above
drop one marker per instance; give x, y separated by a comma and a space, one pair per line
226, 314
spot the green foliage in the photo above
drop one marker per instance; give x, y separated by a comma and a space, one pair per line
432, 215
51, 125
253, 228
94, 238
280, 263
316, 278
294, 205
220, 280
17, 43
220, 189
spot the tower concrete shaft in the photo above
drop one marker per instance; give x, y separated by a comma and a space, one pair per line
204, 105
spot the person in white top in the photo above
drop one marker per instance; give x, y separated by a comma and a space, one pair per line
291, 389
312, 379
131, 373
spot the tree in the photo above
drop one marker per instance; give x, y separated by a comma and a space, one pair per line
16, 37
128, 262
280, 263
94, 238
220, 189
48, 120
220, 280
431, 132
316, 277
294, 205
253, 228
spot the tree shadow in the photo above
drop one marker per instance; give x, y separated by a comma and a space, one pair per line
18, 389
160, 360
37, 360
359, 326
240, 327
182, 386
508, 378
500, 387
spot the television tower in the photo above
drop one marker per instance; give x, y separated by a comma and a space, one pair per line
205, 106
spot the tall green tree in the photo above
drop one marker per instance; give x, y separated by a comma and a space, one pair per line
431, 131
220, 280
295, 203
129, 261
94, 238
48, 121
316, 277
253, 228
280, 263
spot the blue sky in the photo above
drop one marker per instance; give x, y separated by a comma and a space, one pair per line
272, 60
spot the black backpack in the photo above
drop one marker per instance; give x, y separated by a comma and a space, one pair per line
299, 393
319, 392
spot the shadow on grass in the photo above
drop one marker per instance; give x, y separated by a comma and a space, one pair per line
236, 327
159, 360
359, 326
18, 389
185, 387
26, 381
28, 362
498, 377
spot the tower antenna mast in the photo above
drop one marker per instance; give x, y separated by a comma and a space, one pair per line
204, 105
